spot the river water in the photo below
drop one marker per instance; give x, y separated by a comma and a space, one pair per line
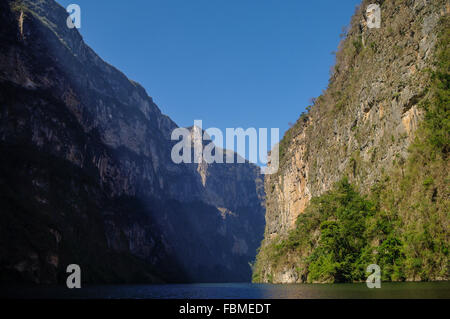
235, 291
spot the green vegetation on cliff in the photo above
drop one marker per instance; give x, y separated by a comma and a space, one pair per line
401, 224
336, 238
417, 190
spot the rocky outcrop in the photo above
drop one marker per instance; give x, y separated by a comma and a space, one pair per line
363, 124
87, 177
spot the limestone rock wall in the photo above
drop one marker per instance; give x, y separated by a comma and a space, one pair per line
366, 118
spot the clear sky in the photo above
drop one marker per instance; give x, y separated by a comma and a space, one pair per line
230, 63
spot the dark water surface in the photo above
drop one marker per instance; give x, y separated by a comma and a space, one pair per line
235, 291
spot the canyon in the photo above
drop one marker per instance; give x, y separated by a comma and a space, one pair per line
86, 175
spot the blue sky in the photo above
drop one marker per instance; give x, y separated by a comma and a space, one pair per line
233, 63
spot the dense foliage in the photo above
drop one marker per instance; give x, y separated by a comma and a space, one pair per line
339, 235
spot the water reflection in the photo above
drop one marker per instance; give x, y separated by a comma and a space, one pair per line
236, 291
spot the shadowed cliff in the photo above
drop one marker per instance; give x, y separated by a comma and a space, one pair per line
86, 175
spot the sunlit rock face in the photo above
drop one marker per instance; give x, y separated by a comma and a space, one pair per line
87, 176
365, 120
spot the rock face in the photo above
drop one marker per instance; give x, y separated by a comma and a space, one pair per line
363, 123
86, 175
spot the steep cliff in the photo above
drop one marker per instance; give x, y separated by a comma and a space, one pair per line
86, 175
364, 173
